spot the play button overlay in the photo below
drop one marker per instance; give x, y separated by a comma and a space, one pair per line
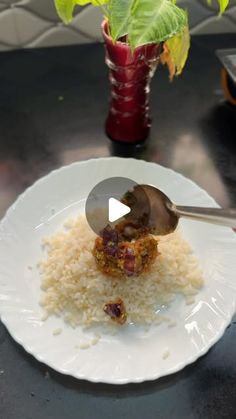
116, 210
104, 207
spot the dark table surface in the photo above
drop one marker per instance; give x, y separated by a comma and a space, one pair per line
53, 103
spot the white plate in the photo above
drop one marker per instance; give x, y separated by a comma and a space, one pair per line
135, 354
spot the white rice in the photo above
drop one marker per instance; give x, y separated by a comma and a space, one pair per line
57, 332
74, 288
86, 345
166, 354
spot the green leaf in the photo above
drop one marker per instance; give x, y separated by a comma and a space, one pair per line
119, 12
154, 21
223, 5
65, 8
176, 51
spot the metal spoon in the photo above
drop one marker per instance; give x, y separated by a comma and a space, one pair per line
164, 216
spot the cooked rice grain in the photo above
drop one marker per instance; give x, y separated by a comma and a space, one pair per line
74, 288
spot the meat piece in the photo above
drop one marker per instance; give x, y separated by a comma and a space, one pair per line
116, 311
109, 235
128, 249
128, 230
127, 258
129, 262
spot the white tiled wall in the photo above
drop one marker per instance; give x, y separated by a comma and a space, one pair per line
31, 23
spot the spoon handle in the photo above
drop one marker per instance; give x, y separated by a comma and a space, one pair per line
225, 217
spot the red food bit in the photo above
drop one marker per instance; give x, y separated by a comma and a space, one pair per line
109, 235
129, 262
112, 249
116, 311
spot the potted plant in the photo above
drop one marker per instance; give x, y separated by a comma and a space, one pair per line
137, 35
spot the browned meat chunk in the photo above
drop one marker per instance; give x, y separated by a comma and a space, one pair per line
115, 255
116, 311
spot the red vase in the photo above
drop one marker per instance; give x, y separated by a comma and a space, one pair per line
130, 73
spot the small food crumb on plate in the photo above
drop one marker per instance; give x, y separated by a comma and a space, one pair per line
57, 332
44, 316
166, 354
84, 345
69, 223
92, 342
116, 310
95, 339
190, 300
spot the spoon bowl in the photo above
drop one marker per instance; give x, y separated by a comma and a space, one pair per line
163, 215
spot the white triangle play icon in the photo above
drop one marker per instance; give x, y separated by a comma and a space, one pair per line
116, 210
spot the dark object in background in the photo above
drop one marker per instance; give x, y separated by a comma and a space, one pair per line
228, 73
130, 75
